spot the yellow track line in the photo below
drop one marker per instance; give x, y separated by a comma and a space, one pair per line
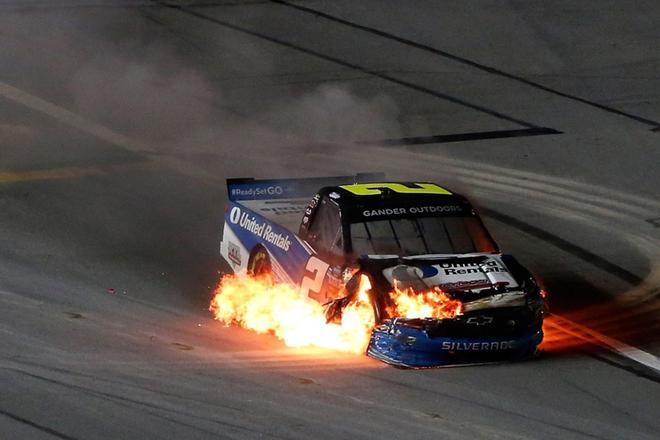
101, 132
8, 177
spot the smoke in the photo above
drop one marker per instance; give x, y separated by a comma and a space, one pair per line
332, 113
138, 72
161, 105
206, 98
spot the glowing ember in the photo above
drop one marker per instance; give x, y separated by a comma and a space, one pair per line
258, 304
433, 303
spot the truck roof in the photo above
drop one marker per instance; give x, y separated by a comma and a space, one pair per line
384, 200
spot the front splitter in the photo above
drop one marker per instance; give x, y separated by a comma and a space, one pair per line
407, 347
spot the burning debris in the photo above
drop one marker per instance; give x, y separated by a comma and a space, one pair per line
432, 303
259, 304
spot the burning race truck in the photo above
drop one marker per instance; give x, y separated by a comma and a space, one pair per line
405, 271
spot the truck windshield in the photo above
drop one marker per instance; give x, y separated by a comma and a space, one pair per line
418, 236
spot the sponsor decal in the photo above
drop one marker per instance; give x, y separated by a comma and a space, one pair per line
234, 253
272, 190
260, 229
374, 189
280, 210
434, 209
310, 208
463, 268
480, 320
466, 285
385, 211
478, 346
279, 240
409, 340
454, 274
411, 210
427, 271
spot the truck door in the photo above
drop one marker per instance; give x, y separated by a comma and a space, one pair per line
322, 279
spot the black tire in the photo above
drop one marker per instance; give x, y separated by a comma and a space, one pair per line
259, 262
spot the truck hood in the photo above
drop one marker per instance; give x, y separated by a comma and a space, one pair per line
478, 280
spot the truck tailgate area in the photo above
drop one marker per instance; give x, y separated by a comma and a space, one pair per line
285, 212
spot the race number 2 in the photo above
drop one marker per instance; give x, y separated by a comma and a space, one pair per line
313, 280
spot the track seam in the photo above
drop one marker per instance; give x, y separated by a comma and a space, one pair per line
489, 69
36, 425
127, 401
575, 250
349, 65
462, 137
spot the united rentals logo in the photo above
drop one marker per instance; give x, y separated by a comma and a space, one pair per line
464, 268
259, 228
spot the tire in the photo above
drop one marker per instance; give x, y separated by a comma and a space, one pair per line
259, 262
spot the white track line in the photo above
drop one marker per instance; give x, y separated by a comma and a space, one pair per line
607, 193
70, 118
593, 195
503, 181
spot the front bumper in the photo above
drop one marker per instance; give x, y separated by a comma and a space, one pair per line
400, 345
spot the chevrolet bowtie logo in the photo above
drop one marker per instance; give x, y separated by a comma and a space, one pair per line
480, 320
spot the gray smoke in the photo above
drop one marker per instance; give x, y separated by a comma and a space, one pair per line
132, 70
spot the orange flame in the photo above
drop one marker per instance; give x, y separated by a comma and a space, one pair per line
259, 304
432, 303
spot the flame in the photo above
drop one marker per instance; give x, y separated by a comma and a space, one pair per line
432, 303
259, 304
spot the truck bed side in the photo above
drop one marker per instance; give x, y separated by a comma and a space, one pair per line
266, 214
246, 229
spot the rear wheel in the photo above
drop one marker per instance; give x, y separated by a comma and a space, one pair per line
259, 263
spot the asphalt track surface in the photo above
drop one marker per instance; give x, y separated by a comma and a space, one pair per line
119, 122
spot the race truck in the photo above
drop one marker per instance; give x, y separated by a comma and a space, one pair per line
408, 235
